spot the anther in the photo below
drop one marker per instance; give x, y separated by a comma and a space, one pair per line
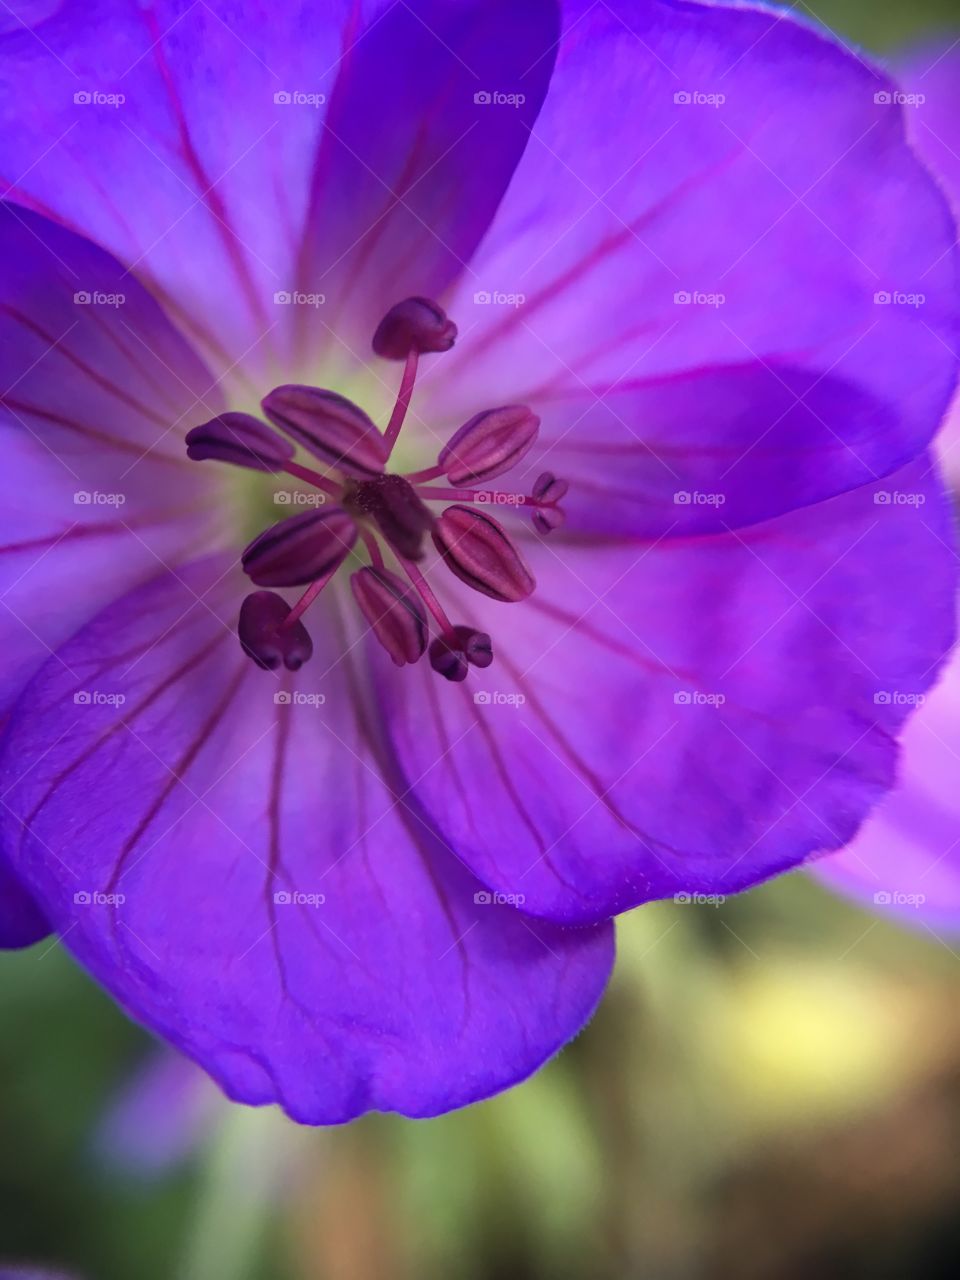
548, 492
547, 488
477, 549
448, 661
489, 444
241, 439
301, 549
393, 611
266, 639
451, 654
332, 427
414, 325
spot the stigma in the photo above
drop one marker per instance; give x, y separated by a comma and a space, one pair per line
325, 441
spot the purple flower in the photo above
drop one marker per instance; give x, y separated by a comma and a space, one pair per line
30, 1273
557, 335
905, 861
158, 1118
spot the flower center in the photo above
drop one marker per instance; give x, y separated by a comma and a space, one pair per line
357, 500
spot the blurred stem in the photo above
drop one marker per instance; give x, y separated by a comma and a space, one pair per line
246, 1159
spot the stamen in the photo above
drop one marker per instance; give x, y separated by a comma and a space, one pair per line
301, 549
373, 547
308, 549
240, 439
477, 549
308, 597
548, 492
429, 599
332, 427
414, 325
270, 635
393, 611
398, 416
548, 489
448, 661
450, 656
546, 519
489, 444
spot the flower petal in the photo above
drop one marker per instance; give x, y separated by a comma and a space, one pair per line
189, 143
709, 449
289, 916
94, 491
21, 921
905, 861
760, 232
930, 76
156, 129
95, 395
689, 716
428, 121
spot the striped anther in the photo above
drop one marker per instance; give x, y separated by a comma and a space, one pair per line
330, 426
476, 548
489, 444
301, 549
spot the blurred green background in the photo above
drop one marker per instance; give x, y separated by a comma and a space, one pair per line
771, 1089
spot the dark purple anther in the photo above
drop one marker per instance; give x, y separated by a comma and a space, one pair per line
392, 504
476, 645
546, 519
264, 637
416, 324
489, 444
301, 549
448, 661
451, 654
393, 611
332, 427
241, 439
547, 488
479, 552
